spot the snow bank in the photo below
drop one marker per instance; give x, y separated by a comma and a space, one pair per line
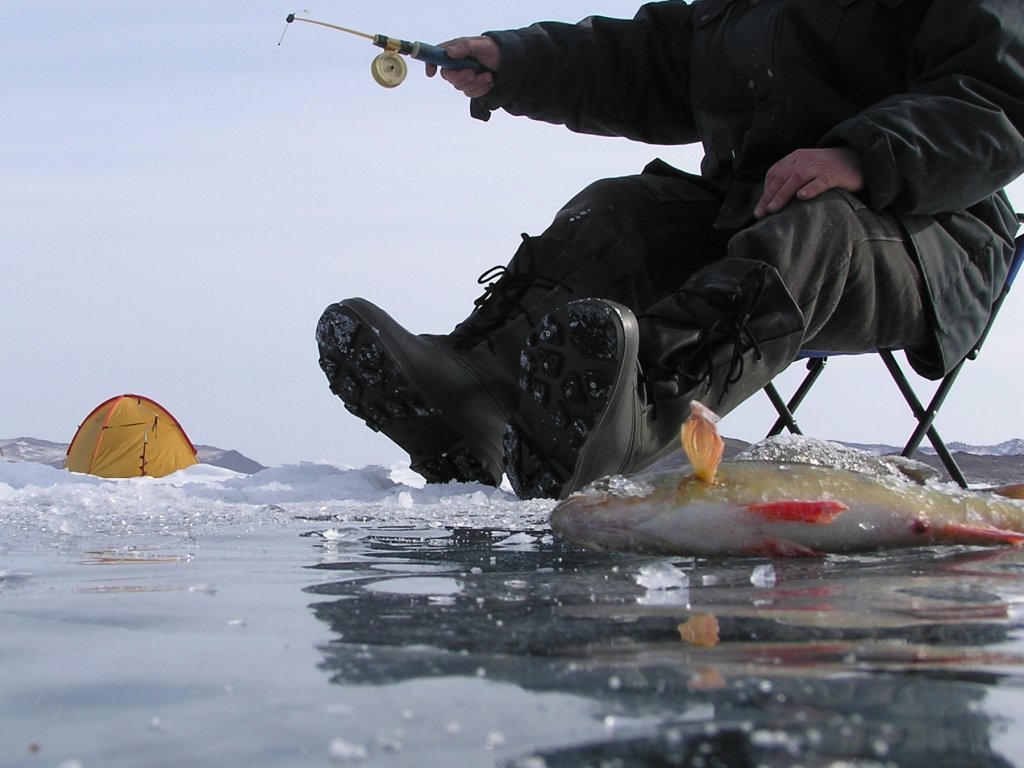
204, 500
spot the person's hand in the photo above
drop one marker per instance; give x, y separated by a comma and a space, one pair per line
806, 173
484, 50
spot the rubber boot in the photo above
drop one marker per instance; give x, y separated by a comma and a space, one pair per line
414, 389
604, 393
445, 399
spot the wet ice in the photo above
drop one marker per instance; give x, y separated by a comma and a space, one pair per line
315, 614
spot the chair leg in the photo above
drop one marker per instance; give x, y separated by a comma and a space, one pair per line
926, 416
787, 420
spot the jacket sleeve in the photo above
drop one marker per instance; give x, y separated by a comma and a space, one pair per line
955, 136
611, 77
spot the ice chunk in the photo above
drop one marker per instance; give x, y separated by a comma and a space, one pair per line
620, 486
662, 575
763, 576
521, 541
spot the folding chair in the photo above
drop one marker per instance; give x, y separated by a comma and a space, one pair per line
925, 416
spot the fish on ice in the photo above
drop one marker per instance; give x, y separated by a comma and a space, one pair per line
778, 509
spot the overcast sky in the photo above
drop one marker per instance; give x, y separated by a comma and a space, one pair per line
180, 198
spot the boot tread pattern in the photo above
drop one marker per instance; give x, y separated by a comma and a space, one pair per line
567, 371
374, 389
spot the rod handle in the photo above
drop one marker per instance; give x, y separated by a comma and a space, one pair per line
435, 54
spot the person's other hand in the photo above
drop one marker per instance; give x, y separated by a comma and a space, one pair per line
806, 173
481, 48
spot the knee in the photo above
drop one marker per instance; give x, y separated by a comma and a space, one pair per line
813, 229
602, 200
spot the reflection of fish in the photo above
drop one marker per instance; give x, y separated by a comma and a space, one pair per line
773, 509
700, 630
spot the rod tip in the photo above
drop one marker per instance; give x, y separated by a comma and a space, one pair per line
290, 18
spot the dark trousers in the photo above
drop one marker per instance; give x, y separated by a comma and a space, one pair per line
638, 239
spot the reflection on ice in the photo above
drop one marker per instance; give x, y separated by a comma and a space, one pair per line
779, 686
420, 585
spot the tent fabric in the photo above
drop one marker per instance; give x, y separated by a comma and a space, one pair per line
130, 436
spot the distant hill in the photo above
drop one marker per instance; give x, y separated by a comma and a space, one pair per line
994, 468
31, 449
47, 452
228, 459
1013, 447
996, 464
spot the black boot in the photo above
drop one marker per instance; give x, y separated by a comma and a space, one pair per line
606, 394
445, 399
417, 390
578, 386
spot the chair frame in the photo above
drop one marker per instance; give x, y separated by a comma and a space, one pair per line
925, 415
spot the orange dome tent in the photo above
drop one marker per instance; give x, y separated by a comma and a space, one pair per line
130, 436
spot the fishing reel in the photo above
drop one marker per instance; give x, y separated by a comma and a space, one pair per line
389, 69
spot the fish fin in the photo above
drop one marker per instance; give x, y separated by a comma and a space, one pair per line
773, 547
1015, 491
978, 534
821, 512
702, 443
700, 630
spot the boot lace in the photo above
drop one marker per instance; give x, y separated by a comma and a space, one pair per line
733, 328
504, 297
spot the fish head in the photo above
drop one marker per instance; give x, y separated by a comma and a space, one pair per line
607, 513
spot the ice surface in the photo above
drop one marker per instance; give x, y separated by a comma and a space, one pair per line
323, 615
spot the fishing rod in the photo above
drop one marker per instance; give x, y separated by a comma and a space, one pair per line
389, 68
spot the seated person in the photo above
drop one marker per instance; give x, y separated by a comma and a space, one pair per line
850, 198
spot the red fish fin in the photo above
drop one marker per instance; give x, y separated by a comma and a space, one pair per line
821, 512
702, 443
781, 548
979, 534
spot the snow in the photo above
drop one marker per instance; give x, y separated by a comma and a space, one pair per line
1014, 447
207, 499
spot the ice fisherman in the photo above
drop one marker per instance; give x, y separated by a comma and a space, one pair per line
850, 198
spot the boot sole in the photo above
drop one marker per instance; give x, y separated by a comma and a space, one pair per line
573, 378
375, 387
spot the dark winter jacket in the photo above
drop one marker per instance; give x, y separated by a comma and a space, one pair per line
931, 92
